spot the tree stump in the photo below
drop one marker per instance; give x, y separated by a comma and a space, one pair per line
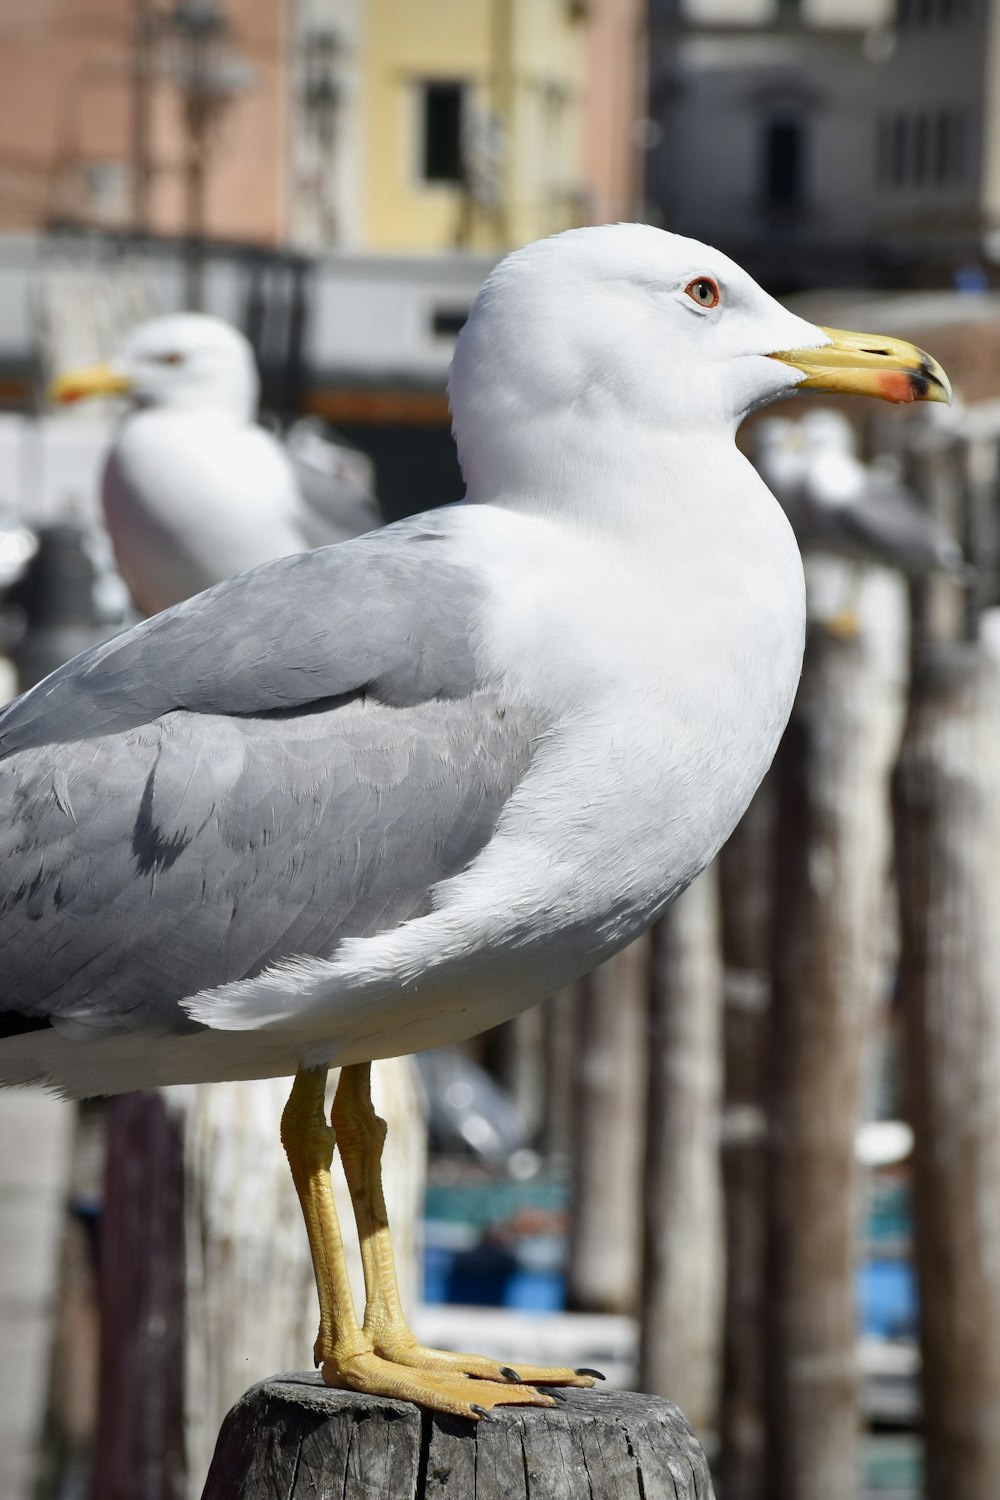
293, 1437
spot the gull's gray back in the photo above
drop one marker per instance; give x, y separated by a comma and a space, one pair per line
288, 760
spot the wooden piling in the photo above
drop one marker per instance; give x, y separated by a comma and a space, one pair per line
746, 880
832, 858
605, 1231
947, 806
292, 1437
680, 1312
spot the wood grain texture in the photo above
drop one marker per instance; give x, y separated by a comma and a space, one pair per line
680, 1319
947, 808
832, 871
290, 1438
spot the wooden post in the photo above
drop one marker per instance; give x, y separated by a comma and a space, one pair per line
947, 805
680, 1322
832, 858
292, 1437
606, 1223
140, 1428
36, 1142
746, 871
560, 1017
206, 1265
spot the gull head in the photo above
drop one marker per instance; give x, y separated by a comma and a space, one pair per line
779, 453
183, 361
625, 327
826, 432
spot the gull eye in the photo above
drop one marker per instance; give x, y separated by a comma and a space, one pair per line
704, 291
170, 359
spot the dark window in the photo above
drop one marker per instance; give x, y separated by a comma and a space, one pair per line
958, 136
783, 163
883, 151
448, 322
920, 144
900, 150
941, 160
442, 155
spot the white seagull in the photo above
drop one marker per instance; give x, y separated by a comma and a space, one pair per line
839, 504
381, 796
194, 491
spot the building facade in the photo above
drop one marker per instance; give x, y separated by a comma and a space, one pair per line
831, 141
384, 125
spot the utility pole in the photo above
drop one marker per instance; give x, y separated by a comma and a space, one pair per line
209, 76
502, 111
142, 49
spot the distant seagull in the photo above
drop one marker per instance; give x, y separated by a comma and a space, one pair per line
864, 512
194, 491
837, 503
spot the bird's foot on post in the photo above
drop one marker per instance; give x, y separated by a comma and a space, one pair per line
360, 1138
440, 1389
398, 1345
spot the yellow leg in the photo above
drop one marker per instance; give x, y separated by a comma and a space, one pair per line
845, 622
344, 1348
360, 1138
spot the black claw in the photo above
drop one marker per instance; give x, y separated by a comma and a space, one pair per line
509, 1374
595, 1373
480, 1411
316, 1361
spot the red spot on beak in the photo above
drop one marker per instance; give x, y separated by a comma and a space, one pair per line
897, 385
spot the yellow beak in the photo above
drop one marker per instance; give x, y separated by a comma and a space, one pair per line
867, 364
91, 380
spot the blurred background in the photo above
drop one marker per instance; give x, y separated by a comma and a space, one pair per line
753, 1164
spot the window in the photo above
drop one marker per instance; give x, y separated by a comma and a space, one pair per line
783, 163
448, 322
914, 150
900, 157
441, 159
920, 142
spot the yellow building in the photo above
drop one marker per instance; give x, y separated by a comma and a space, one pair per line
471, 130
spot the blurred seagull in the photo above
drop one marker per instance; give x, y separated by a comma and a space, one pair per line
194, 491
862, 511
837, 504
379, 797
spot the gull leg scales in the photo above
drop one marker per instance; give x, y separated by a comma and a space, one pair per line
360, 1136
380, 1356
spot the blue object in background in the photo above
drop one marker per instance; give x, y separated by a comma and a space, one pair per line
887, 1298
493, 1276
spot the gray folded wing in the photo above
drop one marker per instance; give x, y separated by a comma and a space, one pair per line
336, 482
292, 758
886, 524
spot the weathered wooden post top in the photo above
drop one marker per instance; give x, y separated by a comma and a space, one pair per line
293, 1437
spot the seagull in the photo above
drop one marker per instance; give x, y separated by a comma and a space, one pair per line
381, 796
194, 491
837, 503
864, 512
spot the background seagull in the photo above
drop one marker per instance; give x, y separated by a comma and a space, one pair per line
836, 502
194, 491
382, 796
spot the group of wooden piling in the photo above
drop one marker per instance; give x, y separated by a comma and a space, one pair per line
867, 873
705, 1087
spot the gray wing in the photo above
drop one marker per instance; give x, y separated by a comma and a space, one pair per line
290, 759
336, 482
888, 525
